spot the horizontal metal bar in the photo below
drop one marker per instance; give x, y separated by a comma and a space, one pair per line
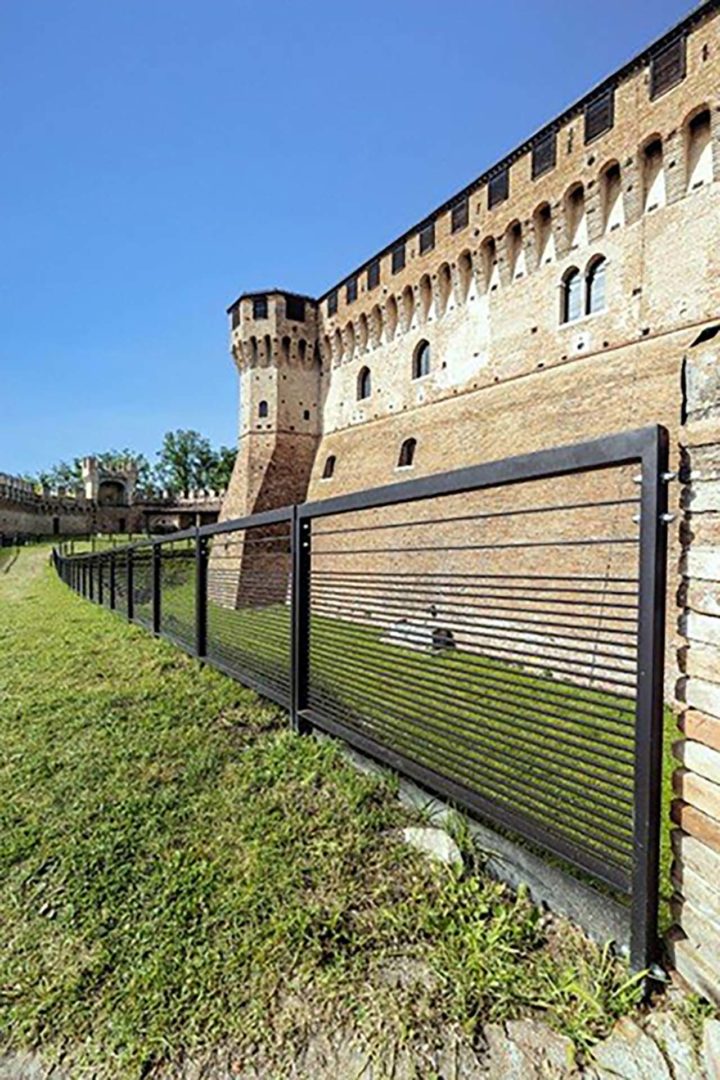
515, 545
417, 591
601, 869
480, 575
540, 803
460, 613
276, 693
481, 516
488, 681
477, 636
611, 451
498, 741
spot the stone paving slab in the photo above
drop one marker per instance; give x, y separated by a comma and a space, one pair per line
657, 1047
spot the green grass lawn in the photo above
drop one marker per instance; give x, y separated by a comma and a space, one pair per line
475, 719
179, 872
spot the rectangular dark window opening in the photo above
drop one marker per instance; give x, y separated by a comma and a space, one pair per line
373, 274
332, 302
235, 316
459, 215
351, 290
398, 258
498, 188
260, 307
295, 308
599, 115
427, 237
544, 154
667, 67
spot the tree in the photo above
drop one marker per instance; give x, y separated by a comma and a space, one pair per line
222, 469
184, 461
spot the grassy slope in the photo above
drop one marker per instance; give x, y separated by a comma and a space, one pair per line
426, 706
177, 871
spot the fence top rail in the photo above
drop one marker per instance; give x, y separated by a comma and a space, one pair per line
611, 450
622, 449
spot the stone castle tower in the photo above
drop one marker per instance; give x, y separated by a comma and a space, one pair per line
274, 345
553, 299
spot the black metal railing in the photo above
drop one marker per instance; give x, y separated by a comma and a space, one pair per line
496, 633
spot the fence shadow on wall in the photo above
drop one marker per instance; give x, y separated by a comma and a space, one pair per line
495, 633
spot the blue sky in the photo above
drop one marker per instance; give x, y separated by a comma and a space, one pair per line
160, 156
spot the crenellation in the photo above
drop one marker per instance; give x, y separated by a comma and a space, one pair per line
569, 308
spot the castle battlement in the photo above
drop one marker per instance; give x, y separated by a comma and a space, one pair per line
556, 292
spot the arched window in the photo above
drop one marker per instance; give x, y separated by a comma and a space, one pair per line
611, 197
350, 341
302, 350
268, 349
514, 250
465, 274
362, 333
407, 454
698, 144
408, 306
544, 239
575, 217
421, 360
571, 304
337, 346
595, 286
329, 467
444, 288
286, 349
263, 409
376, 326
491, 270
391, 316
653, 174
364, 384
425, 297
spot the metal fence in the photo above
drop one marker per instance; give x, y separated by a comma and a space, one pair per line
495, 633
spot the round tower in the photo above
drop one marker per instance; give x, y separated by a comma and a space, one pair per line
274, 345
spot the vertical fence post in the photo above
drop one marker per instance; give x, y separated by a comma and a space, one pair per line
301, 538
156, 587
100, 576
111, 579
649, 703
201, 582
130, 586
91, 578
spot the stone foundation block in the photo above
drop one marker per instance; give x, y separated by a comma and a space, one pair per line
702, 929
703, 496
702, 628
699, 759
701, 728
691, 852
702, 661
695, 968
699, 825
704, 597
700, 891
698, 791
703, 562
703, 695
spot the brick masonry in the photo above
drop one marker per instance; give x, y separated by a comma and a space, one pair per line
695, 944
508, 376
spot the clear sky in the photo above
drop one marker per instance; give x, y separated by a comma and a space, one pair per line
158, 157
